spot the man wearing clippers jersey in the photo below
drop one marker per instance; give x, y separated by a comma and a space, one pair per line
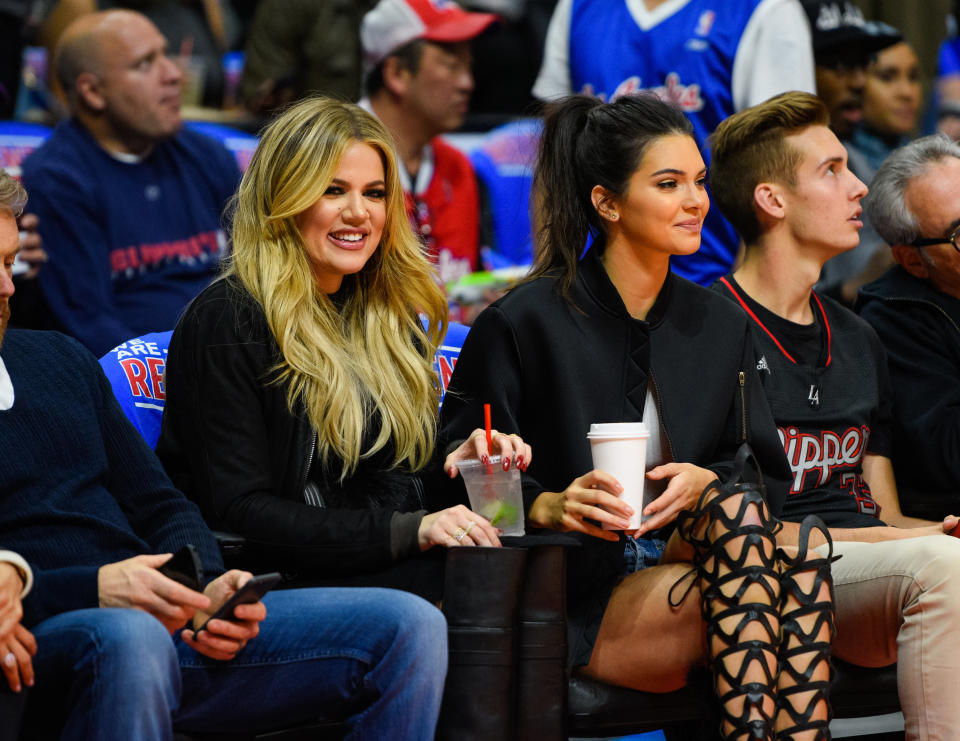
780, 175
710, 58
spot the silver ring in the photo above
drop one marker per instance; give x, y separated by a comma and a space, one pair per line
469, 527
10, 659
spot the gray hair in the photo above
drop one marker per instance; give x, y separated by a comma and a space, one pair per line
12, 195
885, 204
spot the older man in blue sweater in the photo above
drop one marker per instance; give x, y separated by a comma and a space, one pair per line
129, 203
88, 505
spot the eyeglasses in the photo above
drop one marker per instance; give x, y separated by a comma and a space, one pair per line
930, 241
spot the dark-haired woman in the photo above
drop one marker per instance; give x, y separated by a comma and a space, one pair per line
613, 336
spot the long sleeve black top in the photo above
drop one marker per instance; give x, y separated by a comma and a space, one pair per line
550, 367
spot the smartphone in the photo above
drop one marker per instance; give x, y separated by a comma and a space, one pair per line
186, 568
252, 591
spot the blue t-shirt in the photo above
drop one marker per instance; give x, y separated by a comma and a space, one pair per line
504, 165
135, 371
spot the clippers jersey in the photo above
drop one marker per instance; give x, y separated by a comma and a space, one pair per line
711, 58
829, 416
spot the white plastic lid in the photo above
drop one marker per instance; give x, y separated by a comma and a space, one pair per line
618, 429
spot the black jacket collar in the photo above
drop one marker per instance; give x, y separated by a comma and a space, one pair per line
593, 283
898, 285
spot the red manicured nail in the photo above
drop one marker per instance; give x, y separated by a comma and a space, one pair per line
506, 464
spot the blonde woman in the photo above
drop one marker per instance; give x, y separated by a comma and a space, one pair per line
301, 400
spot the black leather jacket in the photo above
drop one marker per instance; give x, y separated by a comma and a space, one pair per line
550, 368
231, 443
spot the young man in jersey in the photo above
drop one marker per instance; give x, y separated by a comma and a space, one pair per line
780, 175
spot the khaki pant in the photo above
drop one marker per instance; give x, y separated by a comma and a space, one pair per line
899, 600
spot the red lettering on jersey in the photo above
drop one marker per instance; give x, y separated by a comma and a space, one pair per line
446, 370
156, 366
158, 252
685, 97
822, 452
858, 489
136, 372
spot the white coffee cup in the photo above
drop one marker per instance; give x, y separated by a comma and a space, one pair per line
620, 449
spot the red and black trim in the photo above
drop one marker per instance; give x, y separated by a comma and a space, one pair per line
746, 308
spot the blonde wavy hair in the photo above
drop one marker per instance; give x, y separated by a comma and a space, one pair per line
370, 358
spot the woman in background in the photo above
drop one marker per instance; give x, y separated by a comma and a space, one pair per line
891, 105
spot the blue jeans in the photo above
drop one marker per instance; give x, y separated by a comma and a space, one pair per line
641, 553
378, 656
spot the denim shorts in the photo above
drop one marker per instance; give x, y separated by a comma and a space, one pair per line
641, 553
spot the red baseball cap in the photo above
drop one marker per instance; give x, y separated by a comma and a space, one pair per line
394, 23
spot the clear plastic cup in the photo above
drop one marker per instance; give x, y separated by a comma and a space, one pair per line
620, 449
494, 493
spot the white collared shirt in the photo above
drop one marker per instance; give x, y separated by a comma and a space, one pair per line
6, 388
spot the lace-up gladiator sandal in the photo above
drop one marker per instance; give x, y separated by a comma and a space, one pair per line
738, 573
807, 629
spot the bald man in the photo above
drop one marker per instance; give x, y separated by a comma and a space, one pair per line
129, 203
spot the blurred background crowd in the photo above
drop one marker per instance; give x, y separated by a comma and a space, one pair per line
239, 61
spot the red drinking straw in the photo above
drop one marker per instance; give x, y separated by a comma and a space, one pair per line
486, 426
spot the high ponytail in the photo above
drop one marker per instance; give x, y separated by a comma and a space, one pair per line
562, 214
586, 143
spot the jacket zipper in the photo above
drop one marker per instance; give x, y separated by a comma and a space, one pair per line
908, 300
306, 474
663, 426
418, 487
743, 406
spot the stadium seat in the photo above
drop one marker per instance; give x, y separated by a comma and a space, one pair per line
17, 140
504, 167
240, 143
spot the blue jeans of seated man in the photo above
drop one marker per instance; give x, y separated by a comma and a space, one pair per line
378, 656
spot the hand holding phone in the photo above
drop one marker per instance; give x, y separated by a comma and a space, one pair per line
185, 568
251, 591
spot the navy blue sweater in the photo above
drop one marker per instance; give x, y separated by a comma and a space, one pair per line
130, 243
79, 488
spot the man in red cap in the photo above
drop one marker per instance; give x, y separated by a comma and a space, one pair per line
418, 83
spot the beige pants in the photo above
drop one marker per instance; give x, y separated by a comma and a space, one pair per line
900, 601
